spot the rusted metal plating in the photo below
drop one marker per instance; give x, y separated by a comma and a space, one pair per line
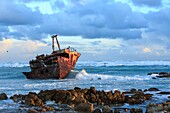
56, 65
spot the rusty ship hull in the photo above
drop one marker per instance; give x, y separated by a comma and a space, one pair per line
57, 65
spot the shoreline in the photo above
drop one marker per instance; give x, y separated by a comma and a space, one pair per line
89, 100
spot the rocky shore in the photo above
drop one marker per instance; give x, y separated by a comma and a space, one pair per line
87, 101
160, 74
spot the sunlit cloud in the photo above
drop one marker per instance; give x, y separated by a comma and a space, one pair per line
147, 50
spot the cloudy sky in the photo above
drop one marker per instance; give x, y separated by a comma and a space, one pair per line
98, 29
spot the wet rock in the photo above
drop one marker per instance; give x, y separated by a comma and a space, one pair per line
153, 89
32, 111
47, 95
133, 101
133, 90
163, 73
163, 76
84, 91
18, 98
116, 95
139, 89
77, 89
136, 110
32, 99
148, 96
63, 97
93, 90
3, 96
79, 99
149, 73
97, 110
109, 95
167, 102
164, 93
145, 90
74, 94
99, 102
85, 107
47, 108
83, 99
161, 108
138, 98
106, 109
160, 74
93, 98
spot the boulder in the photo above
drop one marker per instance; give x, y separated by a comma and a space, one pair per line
62, 96
3, 96
133, 101
47, 94
93, 90
17, 98
163, 73
77, 89
32, 99
133, 90
153, 89
164, 93
93, 98
84, 107
106, 109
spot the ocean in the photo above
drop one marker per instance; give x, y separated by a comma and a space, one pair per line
103, 75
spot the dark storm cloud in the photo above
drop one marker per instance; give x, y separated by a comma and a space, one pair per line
4, 29
90, 19
21, 20
150, 3
12, 13
159, 22
99, 19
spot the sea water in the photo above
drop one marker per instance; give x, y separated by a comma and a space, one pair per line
103, 75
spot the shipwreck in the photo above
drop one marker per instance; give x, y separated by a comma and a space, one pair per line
56, 65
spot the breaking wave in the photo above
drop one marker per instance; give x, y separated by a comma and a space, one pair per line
83, 75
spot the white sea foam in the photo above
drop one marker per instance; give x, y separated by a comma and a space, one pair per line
8, 104
83, 75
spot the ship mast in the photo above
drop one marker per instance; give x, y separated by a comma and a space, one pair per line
55, 36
